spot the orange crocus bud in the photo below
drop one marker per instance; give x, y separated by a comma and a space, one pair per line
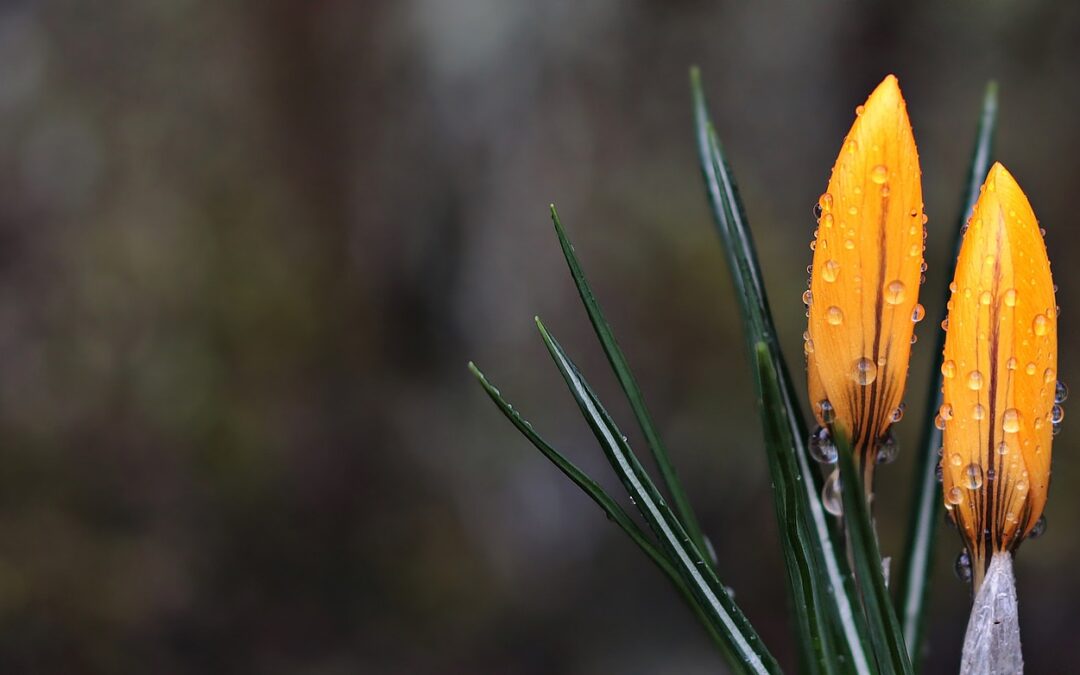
864, 285
1001, 395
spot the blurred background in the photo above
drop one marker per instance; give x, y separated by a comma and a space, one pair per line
247, 248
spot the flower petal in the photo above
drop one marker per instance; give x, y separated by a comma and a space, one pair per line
864, 286
1000, 367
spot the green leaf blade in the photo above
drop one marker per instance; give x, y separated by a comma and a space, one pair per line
630, 388
808, 599
926, 499
744, 648
885, 632
830, 568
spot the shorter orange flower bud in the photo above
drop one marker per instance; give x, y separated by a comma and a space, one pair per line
1000, 375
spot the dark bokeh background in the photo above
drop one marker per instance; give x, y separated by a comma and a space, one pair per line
246, 249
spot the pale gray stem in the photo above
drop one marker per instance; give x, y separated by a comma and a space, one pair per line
992, 641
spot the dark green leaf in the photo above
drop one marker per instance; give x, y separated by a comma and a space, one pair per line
885, 633
745, 651
830, 569
926, 499
809, 599
614, 512
630, 388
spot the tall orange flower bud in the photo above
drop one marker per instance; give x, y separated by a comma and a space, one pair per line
864, 285
1001, 396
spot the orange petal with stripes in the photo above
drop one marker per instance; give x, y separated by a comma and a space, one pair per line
864, 286
1000, 375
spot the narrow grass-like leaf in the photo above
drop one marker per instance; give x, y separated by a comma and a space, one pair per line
745, 651
885, 633
611, 508
831, 569
630, 387
809, 600
926, 498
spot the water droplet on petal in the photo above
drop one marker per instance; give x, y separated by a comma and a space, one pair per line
825, 202
975, 380
834, 315
827, 221
827, 412
879, 174
948, 369
918, 314
887, 450
1049, 375
1040, 324
962, 566
956, 459
985, 298
830, 271
807, 298
1009, 297
863, 371
945, 411
821, 447
1038, 529
978, 412
1011, 363
1030, 368
894, 292
973, 476
1057, 414
1003, 448
849, 244
831, 497
1061, 392
898, 413
1010, 420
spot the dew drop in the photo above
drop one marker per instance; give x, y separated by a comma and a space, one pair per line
1049, 375
821, 447
887, 450
1009, 297
830, 270
1021, 485
945, 323
955, 495
853, 210
879, 174
849, 244
985, 298
1003, 448
945, 411
975, 380
1030, 368
918, 314
948, 369
828, 413
1010, 420
831, 497
807, 298
825, 202
827, 221
973, 476
863, 371
1057, 414
962, 567
1038, 529
939, 422
859, 109
834, 315
808, 347
1011, 363
894, 292
1040, 324
1061, 392
898, 413
956, 459
978, 412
